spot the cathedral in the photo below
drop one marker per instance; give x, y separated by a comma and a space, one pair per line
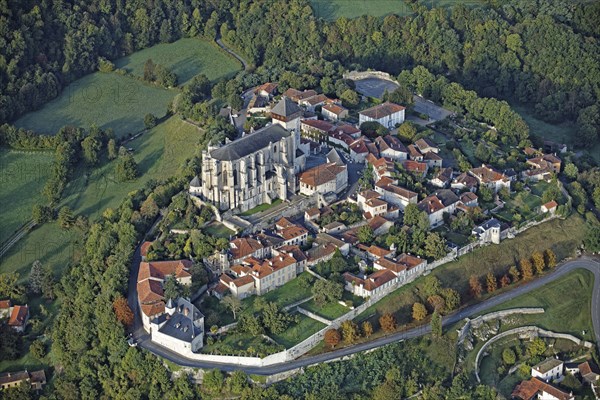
257, 168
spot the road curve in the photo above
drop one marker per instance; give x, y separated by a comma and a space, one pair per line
233, 53
587, 263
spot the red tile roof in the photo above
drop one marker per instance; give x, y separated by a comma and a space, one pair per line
318, 124
268, 87
334, 109
373, 281
242, 247
414, 166
150, 291
144, 248
162, 269
551, 204
378, 251
382, 110
4, 304
153, 309
526, 390
18, 317
321, 174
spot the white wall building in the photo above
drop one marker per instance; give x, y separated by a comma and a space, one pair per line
387, 114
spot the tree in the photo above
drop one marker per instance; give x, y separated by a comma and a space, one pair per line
237, 382
149, 209
149, 121
435, 246
36, 276
571, 171
365, 234
10, 343
537, 259
508, 356
38, 349
514, 273
233, 304
9, 287
250, 324
149, 71
65, 219
172, 288
325, 291
48, 283
550, 258
275, 320
436, 324
213, 381
431, 286
437, 302
526, 269
350, 98
387, 322
419, 312
367, 329
491, 282
91, 149
123, 311
126, 167
350, 331
452, 298
504, 281
41, 214
111, 148
332, 337
475, 286
535, 348
235, 101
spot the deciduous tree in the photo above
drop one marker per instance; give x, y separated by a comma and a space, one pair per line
387, 322
526, 269
350, 331
332, 337
550, 258
491, 282
367, 329
419, 312
123, 311
537, 258
475, 286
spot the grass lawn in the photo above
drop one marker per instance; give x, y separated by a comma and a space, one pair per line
186, 58
334, 9
558, 299
236, 343
107, 100
218, 230
159, 153
330, 311
287, 294
22, 178
496, 258
299, 332
260, 208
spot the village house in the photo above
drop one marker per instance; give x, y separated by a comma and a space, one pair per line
488, 232
323, 179
433, 160
268, 90
465, 182
297, 95
414, 153
17, 316
538, 389
436, 205
291, 233
426, 145
443, 178
391, 147
387, 114
551, 369
334, 227
334, 112
310, 103
549, 207
415, 167
36, 379
405, 266
242, 248
370, 285
380, 225
394, 194
316, 129
490, 178
381, 166
327, 239
258, 104
547, 161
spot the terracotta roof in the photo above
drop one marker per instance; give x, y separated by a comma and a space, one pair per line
320, 252
346, 128
321, 174
312, 212
400, 191
292, 93
18, 317
526, 390
391, 265
530, 151
162, 269
432, 156
486, 174
221, 288
413, 151
150, 291
375, 202
283, 223
378, 251
382, 110
369, 194
268, 87
294, 251
144, 248
318, 124
551, 204
314, 100
424, 144
409, 260
466, 180
385, 181
444, 175
431, 204
243, 281
373, 281
242, 247
292, 232
4, 304
390, 142
153, 309
377, 222
240, 269
414, 166
467, 197
359, 146
334, 109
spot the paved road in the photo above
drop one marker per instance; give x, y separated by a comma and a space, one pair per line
593, 265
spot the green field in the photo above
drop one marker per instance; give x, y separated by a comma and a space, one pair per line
298, 332
260, 208
106, 100
186, 58
330, 311
120, 102
22, 177
287, 294
159, 153
334, 9
496, 258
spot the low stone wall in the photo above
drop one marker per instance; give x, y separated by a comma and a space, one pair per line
477, 322
527, 332
313, 316
289, 307
358, 75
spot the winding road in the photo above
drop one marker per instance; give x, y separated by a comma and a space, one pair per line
233, 53
588, 263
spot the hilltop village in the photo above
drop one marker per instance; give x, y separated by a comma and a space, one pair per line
383, 199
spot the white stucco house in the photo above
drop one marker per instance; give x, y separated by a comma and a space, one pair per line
387, 114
